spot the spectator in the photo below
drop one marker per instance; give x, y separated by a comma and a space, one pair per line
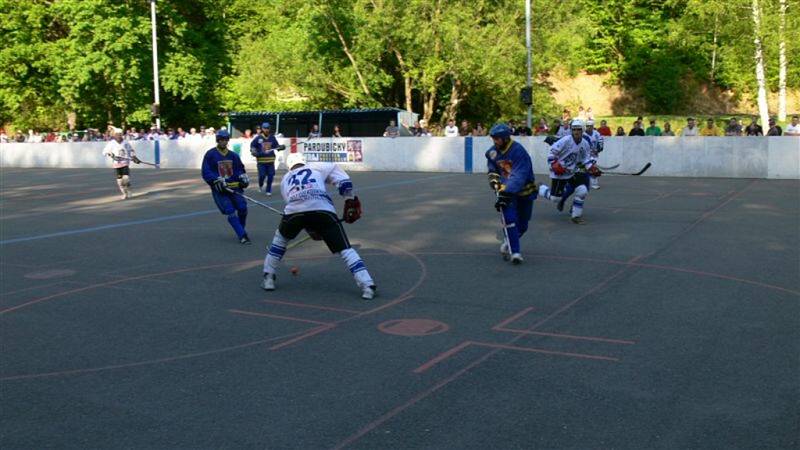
451, 130
541, 129
556, 126
620, 131
464, 129
754, 129
590, 115
710, 129
691, 128
423, 128
581, 113
774, 129
604, 130
637, 129
667, 130
314, 133
733, 128
479, 130
524, 131
3, 136
513, 125
564, 129
566, 116
19, 137
337, 131
793, 129
653, 129
391, 130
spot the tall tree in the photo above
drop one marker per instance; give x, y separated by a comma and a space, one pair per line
763, 108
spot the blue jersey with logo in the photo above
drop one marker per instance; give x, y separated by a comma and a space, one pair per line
227, 165
514, 166
262, 148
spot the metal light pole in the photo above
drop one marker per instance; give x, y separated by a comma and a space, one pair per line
156, 108
528, 45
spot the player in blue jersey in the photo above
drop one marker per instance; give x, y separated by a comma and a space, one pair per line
511, 176
224, 172
263, 148
571, 164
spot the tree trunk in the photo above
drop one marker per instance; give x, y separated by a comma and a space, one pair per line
455, 99
714, 50
428, 104
407, 81
782, 63
349, 54
763, 108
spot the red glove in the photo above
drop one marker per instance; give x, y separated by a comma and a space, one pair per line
557, 168
352, 210
595, 171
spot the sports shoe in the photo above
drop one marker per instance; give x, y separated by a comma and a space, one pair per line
516, 258
268, 284
578, 220
245, 240
504, 251
269, 194
368, 292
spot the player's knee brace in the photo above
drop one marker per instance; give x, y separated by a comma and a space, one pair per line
353, 260
580, 192
278, 247
126, 180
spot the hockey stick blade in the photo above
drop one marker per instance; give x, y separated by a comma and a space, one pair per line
644, 169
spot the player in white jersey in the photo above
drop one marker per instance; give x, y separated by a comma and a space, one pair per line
121, 152
595, 147
568, 156
310, 208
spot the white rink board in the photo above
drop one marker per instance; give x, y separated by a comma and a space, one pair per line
719, 157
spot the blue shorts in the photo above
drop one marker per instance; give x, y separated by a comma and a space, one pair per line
229, 203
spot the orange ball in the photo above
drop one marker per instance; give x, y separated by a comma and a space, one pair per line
294, 270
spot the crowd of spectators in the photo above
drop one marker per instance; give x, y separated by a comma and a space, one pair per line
95, 135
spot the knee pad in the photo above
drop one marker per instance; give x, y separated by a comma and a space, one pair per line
279, 240
581, 191
126, 180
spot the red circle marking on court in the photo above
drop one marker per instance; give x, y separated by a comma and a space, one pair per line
413, 327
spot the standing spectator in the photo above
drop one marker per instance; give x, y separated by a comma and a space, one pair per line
314, 133
464, 129
691, 128
391, 130
653, 129
451, 130
541, 129
793, 129
637, 129
754, 129
478, 130
337, 131
733, 128
566, 116
564, 129
710, 129
620, 131
590, 114
581, 113
667, 130
604, 130
774, 129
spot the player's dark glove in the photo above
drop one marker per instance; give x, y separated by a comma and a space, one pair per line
346, 188
220, 185
550, 140
280, 148
494, 181
503, 200
595, 171
557, 168
136, 160
352, 209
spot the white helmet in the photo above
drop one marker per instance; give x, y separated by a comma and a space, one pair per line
577, 123
590, 123
293, 159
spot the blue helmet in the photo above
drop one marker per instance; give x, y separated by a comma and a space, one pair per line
500, 130
223, 134
265, 125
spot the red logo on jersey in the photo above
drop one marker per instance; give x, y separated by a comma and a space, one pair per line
505, 167
225, 168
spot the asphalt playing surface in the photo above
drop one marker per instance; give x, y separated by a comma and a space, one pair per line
670, 320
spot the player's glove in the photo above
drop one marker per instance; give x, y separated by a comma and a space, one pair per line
136, 160
595, 171
346, 188
352, 209
503, 200
244, 181
280, 148
494, 181
550, 140
557, 168
220, 185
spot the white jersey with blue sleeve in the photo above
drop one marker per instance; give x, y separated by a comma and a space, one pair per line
304, 188
570, 155
595, 142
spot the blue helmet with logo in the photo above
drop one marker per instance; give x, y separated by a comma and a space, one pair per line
265, 125
500, 130
223, 134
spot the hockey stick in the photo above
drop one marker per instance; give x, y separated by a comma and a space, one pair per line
252, 200
157, 166
608, 168
636, 174
506, 241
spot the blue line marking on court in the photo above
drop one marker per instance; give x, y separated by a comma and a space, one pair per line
193, 214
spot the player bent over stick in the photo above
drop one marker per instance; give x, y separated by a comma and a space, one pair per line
224, 172
511, 176
310, 208
567, 156
122, 153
